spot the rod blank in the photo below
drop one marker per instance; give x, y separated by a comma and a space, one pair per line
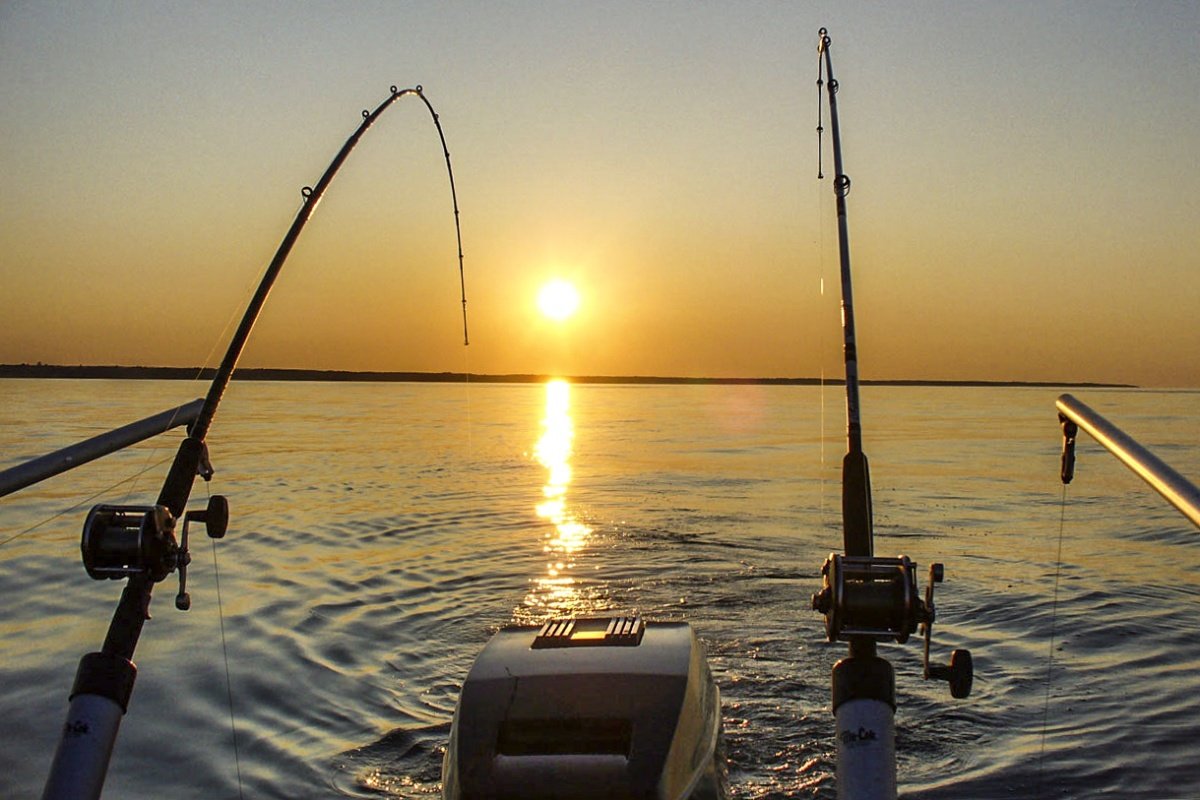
1175, 489
51, 464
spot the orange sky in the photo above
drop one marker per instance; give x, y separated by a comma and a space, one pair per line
1024, 204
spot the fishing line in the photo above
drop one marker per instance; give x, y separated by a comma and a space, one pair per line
157, 445
822, 240
206, 363
85, 501
237, 763
1053, 623
467, 393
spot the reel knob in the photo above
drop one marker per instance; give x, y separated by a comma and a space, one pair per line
215, 516
960, 673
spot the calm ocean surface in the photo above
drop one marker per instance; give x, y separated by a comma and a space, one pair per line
381, 533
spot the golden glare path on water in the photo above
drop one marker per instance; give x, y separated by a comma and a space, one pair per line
556, 591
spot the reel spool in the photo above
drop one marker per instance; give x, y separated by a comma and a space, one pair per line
877, 598
865, 596
126, 541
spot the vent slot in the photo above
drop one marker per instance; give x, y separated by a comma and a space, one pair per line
562, 737
591, 632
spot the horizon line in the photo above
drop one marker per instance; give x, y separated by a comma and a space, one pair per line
113, 371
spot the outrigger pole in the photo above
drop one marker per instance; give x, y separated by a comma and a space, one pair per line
1177, 490
866, 599
138, 542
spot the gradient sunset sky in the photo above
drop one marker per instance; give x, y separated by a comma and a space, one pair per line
1025, 201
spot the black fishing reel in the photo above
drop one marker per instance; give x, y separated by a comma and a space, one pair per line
877, 598
124, 541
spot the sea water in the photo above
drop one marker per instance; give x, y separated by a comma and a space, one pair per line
380, 533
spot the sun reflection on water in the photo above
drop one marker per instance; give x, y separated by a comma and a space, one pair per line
556, 593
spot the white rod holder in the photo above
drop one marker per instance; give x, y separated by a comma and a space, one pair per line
866, 751
84, 749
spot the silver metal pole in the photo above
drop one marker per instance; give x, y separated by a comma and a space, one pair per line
51, 464
1176, 489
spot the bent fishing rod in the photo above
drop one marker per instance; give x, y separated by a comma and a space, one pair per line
138, 543
867, 599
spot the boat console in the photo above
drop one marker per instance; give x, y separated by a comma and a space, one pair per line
587, 708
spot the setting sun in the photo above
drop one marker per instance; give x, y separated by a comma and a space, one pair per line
558, 299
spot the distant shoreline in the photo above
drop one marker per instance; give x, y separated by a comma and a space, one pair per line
359, 376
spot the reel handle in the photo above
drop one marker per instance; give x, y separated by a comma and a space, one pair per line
215, 517
960, 673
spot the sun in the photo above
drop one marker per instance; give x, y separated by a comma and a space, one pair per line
558, 299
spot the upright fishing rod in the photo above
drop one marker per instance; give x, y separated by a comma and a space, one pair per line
867, 599
138, 543
856, 478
